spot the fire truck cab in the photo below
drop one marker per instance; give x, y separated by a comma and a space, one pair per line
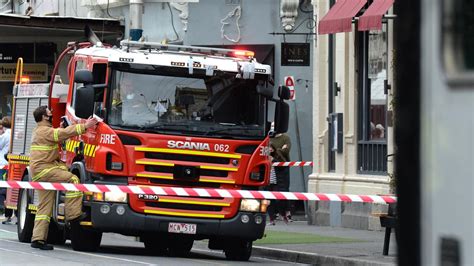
171, 116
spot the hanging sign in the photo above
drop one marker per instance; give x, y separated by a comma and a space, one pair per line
295, 54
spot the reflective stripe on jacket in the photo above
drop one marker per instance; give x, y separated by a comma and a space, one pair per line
44, 151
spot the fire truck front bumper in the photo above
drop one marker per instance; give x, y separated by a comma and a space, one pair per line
120, 218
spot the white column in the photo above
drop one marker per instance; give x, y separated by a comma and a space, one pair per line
320, 104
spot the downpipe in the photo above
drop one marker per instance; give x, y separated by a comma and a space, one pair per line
136, 27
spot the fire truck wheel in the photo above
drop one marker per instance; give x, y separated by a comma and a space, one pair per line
180, 247
240, 250
56, 234
26, 220
85, 239
155, 244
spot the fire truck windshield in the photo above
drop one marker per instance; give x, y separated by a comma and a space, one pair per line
183, 104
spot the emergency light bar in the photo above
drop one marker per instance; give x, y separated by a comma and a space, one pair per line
126, 45
244, 53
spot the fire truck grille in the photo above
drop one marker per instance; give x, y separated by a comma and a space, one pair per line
187, 207
186, 158
170, 169
183, 183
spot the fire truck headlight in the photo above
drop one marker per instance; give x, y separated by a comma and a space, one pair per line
250, 205
115, 196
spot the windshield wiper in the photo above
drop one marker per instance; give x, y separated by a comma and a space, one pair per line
179, 128
126, 127
165, 126
154, 128
231, 128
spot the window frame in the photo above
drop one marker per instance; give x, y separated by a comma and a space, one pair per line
98, 67
451, 47
371, 153
75, 85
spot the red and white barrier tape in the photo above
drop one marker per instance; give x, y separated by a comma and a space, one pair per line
200, 192
292, 164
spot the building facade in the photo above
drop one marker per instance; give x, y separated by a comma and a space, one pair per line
38, 35
353, 107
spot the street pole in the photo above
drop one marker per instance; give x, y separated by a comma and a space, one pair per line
300, 155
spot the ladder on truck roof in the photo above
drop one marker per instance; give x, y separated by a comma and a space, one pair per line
243, 54
17, 81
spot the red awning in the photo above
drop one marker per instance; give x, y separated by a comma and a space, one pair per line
372, 18
339, 17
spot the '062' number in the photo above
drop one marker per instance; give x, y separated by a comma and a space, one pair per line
221, 147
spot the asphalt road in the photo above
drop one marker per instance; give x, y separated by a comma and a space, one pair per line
115, 250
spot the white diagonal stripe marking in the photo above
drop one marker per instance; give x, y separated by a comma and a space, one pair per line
136, 190
158, 190
245, 194
311, 196
267, 194
113, 188
289, 195
70, 187
333, 197
377, 199
180, 191
47, 186
202, 192
224, 193
92, 188
25, 185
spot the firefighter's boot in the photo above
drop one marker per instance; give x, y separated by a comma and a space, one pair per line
41, 245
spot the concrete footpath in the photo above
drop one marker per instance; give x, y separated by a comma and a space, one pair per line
359, 247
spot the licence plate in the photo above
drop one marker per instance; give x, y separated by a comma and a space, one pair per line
148, 197
182, 228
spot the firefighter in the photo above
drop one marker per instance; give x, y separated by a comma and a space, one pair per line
45, 166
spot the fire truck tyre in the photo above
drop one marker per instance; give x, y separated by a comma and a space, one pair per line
56, 234
240, 250
180, 247
26, 220
155, 244
84, 239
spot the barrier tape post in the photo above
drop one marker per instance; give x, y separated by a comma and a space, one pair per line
200, 192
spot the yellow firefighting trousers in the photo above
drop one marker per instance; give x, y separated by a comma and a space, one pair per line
58, 174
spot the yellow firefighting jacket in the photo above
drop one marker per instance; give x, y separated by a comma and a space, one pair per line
44, 151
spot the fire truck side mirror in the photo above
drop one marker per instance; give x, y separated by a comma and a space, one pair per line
83, 76
284, 93
282, 116
84, 104
265, 90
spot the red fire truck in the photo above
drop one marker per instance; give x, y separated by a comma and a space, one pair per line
173, 116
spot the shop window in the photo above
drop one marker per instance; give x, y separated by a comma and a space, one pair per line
372, 101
